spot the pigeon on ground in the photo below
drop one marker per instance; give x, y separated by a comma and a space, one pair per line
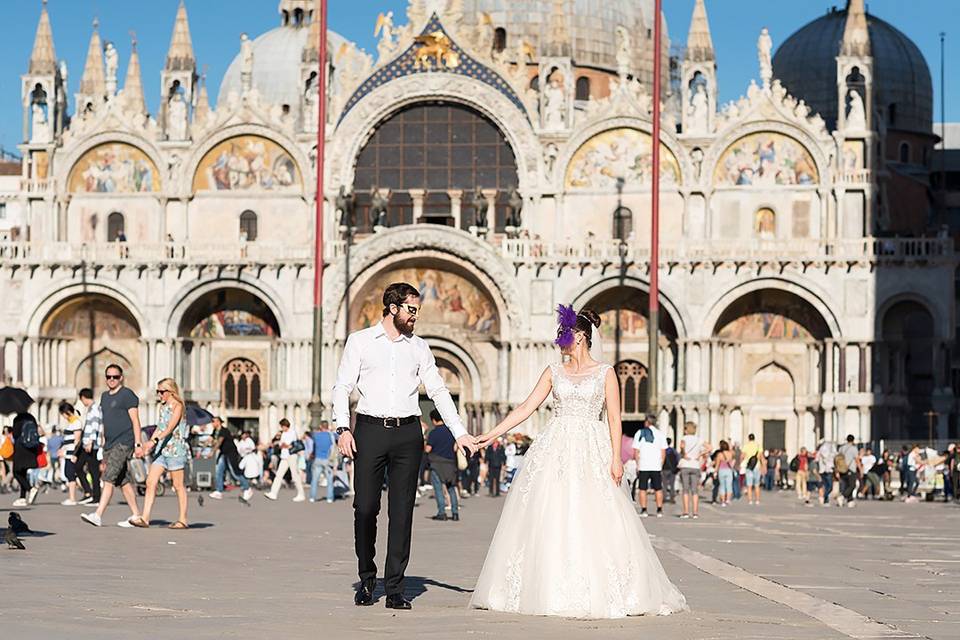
17, 525
200, 499
244, 500
13, 542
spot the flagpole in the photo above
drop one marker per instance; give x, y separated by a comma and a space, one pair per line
653, 326
316, 404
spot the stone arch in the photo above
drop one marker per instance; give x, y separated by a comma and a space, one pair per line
194, 292
419, 241
922, 301
64, 169
59, 294
771, 365
737, 132
362, 120
191, 164
805, 292
594, 289
464, 357
597, 126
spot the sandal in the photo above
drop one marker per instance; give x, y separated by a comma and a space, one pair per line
179, 525
140, 523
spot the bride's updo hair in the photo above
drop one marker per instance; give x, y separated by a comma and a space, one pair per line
586, 320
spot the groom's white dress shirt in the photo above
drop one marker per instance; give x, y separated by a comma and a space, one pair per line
387, 374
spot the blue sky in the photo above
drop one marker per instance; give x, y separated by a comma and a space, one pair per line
217, 24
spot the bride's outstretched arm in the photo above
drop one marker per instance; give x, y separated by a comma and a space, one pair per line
612, 390
522, 411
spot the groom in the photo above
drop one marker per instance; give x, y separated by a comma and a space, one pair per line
386, 364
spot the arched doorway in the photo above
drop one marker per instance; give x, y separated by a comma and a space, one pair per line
908, 363
624, 331
229, 338
84, 334
769, 347
460, 321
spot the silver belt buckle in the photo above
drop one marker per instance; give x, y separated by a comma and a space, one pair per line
387, 425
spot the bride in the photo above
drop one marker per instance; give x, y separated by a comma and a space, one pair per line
569, 542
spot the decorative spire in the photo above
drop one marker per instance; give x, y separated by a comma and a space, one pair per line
558, 39
856, 36
699, 42
202, 110
94, 82
180, 56
43, 60
133, 86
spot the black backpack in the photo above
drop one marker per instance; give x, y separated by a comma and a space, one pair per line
672, 460
29, 435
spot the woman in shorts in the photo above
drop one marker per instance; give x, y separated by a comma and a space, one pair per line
170, 450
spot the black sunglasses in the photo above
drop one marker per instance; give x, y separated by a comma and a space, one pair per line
112, 377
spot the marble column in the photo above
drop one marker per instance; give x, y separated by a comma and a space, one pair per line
417, 196
456, 197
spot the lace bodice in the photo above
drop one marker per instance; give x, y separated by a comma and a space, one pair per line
580, 397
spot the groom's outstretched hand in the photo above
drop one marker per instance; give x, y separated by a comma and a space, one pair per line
468, 442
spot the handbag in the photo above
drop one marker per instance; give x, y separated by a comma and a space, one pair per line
296, 447
461, 460
41, 457
6, 449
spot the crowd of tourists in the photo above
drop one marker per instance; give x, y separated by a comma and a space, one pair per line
98, 445
828, 474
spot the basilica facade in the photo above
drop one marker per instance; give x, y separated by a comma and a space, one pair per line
499, 157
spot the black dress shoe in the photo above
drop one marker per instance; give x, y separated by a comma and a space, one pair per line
440, 516
455, 517
364, 597
397, 601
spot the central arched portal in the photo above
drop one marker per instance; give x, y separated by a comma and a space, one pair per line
437, 162
458, 318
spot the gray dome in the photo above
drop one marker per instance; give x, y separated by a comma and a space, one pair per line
806, 65
591, 26
276, 66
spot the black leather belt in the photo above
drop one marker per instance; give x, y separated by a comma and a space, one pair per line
387, 423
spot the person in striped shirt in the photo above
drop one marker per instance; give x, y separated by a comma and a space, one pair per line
88, 454
72, 432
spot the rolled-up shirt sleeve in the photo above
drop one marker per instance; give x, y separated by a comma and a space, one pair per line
347, 375
438, 392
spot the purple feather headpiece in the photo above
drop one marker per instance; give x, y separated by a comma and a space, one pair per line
566, 322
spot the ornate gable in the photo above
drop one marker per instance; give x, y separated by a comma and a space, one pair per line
434, 51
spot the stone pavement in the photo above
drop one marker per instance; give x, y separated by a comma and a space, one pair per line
777, 571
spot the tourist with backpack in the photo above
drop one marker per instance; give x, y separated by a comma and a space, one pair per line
669, 473
847, 464
826, 454
26, 447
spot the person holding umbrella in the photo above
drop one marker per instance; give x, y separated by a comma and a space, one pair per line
170, 451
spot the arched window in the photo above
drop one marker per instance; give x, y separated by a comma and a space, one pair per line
240, 385
633, 387
248, 226
499, 39
298, 17
431, 149
904, 152
622, 223
115, 227
765, 223
583, 88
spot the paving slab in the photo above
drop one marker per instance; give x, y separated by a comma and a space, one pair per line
278, 568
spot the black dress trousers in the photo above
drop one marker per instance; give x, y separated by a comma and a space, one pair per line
396, 451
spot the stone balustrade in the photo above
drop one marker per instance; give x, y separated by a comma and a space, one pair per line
518, 251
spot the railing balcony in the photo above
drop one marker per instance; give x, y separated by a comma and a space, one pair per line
34, 185
854, 176
156, 253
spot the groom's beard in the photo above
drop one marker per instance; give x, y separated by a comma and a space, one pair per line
404, 327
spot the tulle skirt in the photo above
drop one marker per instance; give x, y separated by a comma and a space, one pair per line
569, 542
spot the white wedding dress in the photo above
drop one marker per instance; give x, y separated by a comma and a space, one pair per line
569, 542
